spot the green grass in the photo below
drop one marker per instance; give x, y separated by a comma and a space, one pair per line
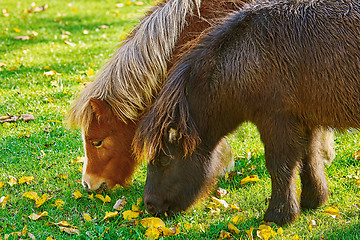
45, 148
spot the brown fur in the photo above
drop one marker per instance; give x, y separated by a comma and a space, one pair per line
290, 67
131, 79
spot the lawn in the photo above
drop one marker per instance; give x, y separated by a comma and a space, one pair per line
65, 44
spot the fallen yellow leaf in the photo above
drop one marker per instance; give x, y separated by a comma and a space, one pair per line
237, 219
295, 237
26, 180
90, 72
102, 198
70, 230
220, 202
35, 216
41, 200
232, 228
152, 222
87, 217
250, 233
12, 181
170, 231
252, 178
16, 29
224, 234
63, 176
2, 184
110, 214
280, 231
312, 224
58, 203
234, 207
91, 196
135, 208
130, 215
3, 201
31, 195
187, 226
152, 233
51, 73
265, 232
333, 212
23, 231
77, 194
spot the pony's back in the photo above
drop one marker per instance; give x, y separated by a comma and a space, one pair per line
301, 56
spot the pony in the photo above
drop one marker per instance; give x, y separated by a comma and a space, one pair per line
290, 67
108, 110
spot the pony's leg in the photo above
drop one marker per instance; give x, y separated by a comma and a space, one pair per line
226, 157
284, 147
313, 181
326, 137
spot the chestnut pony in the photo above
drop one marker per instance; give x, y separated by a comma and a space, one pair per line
290, 67
108, 109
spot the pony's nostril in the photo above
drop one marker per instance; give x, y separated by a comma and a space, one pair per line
86, 186
151, 208
103, 186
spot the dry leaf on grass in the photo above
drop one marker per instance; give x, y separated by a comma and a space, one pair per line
252, 178
77, 194
31, 195
332, 211
220, 202
152, 233
3, 201
24, 38
35, 216
64, 226
250, 233
87, 217
26, 180
10, 118
130, 215
232, 228
110, 215
221, 192
265, 232
12, 181
152, 222
102, 198
41, 200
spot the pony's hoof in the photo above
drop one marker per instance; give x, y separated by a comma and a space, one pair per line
281, 217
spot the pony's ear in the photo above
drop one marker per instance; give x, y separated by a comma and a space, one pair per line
99, 107
173, 135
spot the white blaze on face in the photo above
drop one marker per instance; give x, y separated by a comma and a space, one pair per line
85, 159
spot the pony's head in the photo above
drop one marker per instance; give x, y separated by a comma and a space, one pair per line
107, 144
180, 167
175, 180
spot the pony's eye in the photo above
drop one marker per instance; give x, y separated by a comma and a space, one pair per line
97, 143
164, 161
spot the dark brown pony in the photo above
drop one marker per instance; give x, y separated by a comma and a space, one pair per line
108, 110
290, 67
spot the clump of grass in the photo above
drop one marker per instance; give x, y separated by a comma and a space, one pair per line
45, 149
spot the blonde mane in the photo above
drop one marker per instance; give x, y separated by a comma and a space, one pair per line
136, 72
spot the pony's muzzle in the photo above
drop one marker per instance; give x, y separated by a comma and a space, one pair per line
94, 187
156, 207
